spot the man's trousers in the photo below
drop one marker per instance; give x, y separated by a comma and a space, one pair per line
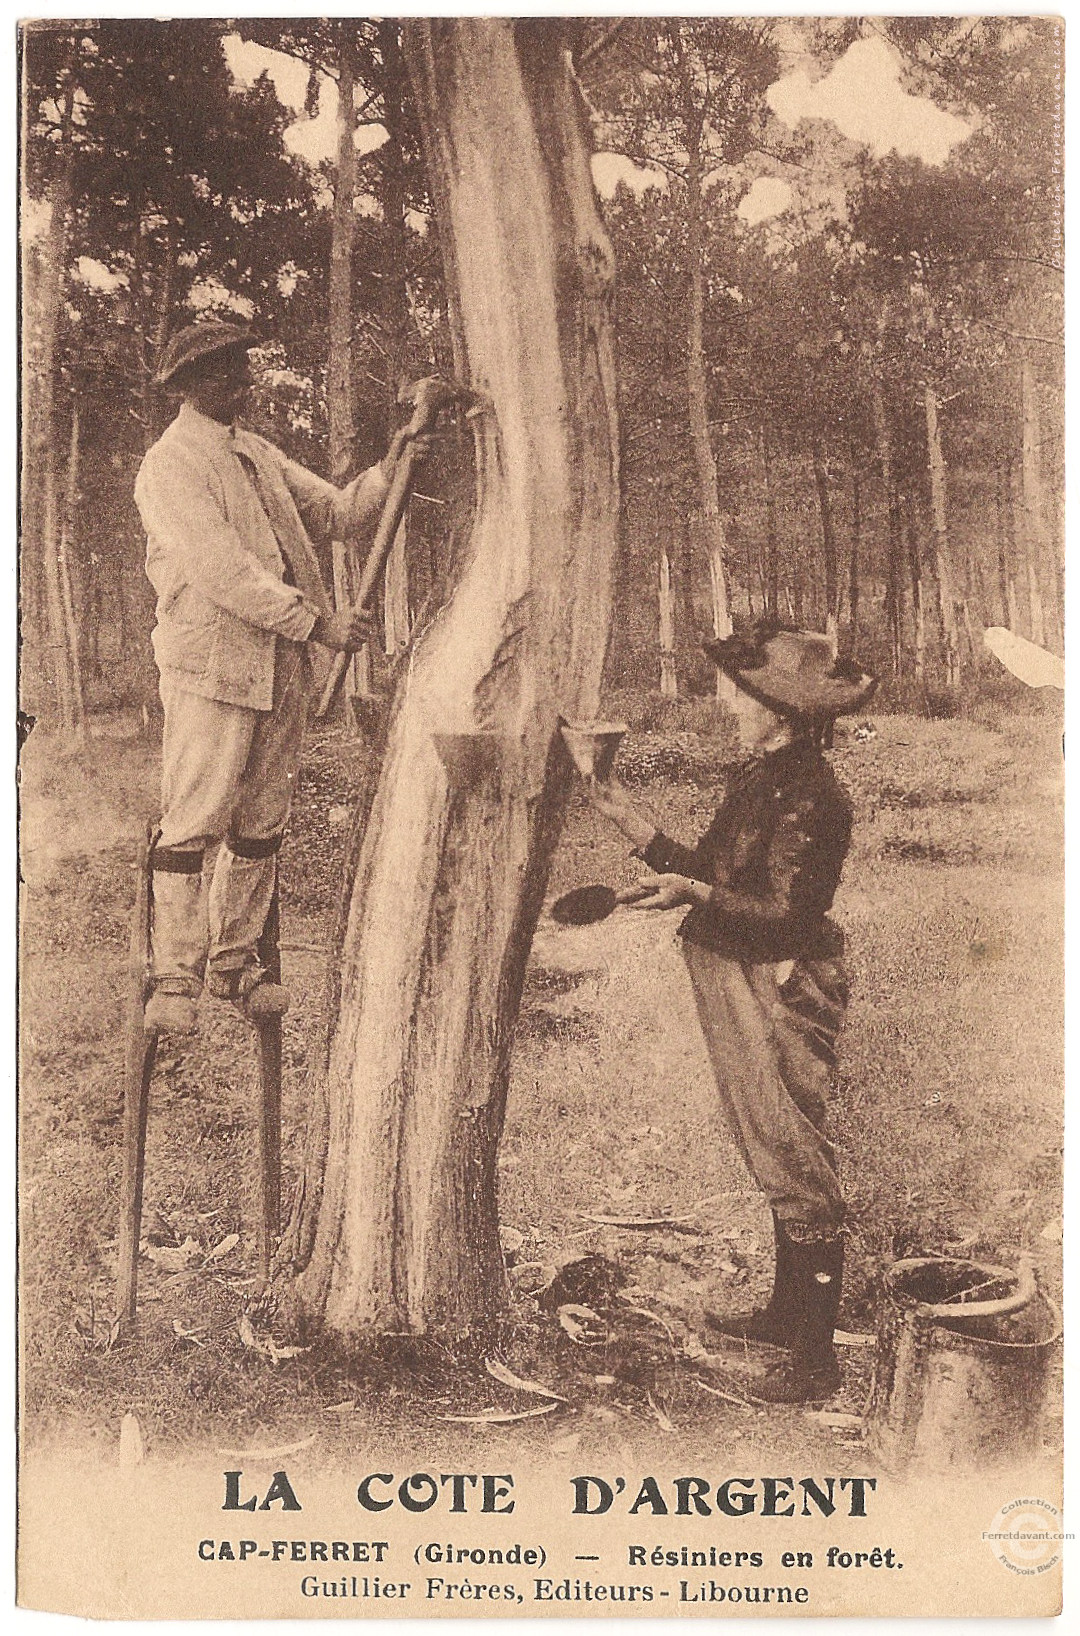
771, 1035
228, 775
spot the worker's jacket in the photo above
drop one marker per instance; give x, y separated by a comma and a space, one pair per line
772, 855
230, 522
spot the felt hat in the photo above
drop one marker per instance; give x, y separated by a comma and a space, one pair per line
196, 343
795, 673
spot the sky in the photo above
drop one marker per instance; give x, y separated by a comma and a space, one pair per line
861, 95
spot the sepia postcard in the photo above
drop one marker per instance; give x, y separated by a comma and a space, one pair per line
541, 878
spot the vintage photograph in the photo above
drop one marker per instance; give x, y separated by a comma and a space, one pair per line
541, 908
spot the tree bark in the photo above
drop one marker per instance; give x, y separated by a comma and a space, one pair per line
340, 391
828, 539
398, 1222
854, 566
918, 609
894, 595
715, 537
669, 681
1034, 532
64, 556
939, 512
1002, 501
40, 475
772, 570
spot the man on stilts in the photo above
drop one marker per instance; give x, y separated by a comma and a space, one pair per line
241, 615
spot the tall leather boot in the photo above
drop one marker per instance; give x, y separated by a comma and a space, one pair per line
773, 1324
812, 1374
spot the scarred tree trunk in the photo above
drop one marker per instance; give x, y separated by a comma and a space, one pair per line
396, 1229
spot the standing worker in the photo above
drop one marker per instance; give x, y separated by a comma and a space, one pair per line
230, 522
766, 969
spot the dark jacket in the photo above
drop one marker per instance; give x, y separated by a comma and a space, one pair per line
772, 855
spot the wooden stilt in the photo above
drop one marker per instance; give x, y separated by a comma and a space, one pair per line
138, 1068
138, 1072
268, 1036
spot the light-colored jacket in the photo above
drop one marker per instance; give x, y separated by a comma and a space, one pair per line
213, 554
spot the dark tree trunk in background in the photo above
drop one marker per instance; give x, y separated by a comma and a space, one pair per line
942, 559
669, 676
1033, 507
395, 303
716, 546
918, 612
772, 570
854, 567
894, 595
828, 540
396, 1229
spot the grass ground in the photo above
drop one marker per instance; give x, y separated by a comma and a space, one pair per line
948, 1119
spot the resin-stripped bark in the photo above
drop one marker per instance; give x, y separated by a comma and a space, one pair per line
455, 858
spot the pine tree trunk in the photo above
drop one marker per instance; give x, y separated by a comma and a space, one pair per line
1004, 517
939, 511
65, 553
340, 390
669, 680
1034, 542
395, 302
854, 567
397, 1222
894, 593
828, 539
41, 524
715, 537
918, 611
772, 572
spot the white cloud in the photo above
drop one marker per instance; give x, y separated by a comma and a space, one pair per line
862, 95
247, 61
313, 139
609, 169
769, 196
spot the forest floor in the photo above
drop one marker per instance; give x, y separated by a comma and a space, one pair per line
948, 1120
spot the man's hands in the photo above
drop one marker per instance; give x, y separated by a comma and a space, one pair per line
346, 630
421, 445
664, 892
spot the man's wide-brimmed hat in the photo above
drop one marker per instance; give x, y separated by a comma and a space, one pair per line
195, 344
795, 673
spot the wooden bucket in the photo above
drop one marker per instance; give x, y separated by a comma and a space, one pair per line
963, 1356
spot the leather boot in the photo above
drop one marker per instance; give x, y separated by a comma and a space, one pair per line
171, 1008
812, 1375
772, 1324
251, 990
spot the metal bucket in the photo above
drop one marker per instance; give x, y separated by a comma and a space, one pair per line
963, 1357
